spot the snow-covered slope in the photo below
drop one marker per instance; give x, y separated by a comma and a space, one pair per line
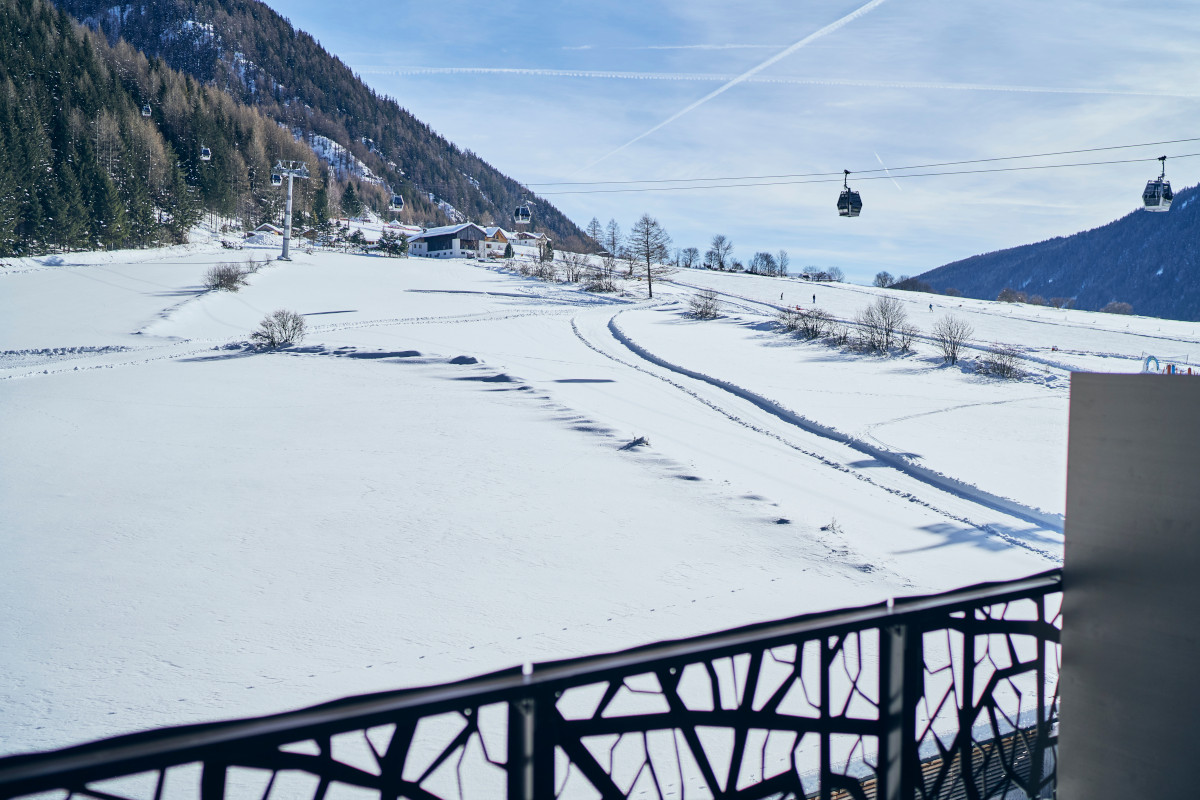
194, 530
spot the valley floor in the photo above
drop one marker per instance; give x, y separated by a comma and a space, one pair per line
196, 530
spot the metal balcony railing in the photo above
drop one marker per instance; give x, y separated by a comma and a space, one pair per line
946, 696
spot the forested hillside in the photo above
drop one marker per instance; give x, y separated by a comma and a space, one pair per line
245, 48
82, 167
1149, 260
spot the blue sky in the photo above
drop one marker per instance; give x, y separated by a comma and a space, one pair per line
547, 92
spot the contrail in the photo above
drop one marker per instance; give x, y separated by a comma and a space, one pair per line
812, 37
885, 170
719, 78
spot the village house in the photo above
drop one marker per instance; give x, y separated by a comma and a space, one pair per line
496, 242
449, 241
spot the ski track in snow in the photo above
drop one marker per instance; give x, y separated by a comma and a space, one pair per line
897, 461
822, 459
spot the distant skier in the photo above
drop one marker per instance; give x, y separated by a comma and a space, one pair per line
931, 306
814, 299
781, 295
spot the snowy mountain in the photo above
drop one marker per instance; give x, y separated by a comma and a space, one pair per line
1149, 260
250, 51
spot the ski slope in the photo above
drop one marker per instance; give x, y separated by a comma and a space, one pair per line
440, 480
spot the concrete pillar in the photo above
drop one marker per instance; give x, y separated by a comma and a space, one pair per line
1130, 687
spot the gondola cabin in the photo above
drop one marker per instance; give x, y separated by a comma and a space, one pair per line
849, 202
205, 154
145, 110
522, 216
397, 202
1158, 194
276, 179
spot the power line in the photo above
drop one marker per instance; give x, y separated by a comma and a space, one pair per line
862, 177
870, 171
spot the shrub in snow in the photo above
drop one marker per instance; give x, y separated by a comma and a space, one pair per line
788, 319
1117, 308
603, 278
1001, 361
951, 333
704, 304
881, 325
574, 267
546, 270
225, 277
906, 336
279, 328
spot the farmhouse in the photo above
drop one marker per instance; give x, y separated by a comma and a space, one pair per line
496, 242
449, 241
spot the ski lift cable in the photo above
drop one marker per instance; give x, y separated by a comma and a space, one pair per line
868, 171
861, 177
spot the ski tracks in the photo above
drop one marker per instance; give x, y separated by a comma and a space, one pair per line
931, 478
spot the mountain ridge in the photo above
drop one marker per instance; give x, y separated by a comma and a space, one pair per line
1149, 260
249, 50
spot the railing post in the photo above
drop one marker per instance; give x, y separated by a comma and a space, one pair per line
531, 748
900, 669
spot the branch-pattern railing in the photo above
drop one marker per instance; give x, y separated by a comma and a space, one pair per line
946, 696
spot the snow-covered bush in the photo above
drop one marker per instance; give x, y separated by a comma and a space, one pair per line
225, 277
1000, 360
704, 304
603, 278
951, 333
279, 328
574, 266
881, 324
788, 319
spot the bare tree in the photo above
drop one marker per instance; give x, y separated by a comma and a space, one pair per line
612, 237
951, 333
782, 260
1117, 307
279, 328
705, 304
762, 263
884, 279
650, 244
836, 274
594, 231
879, 324
689, 257
718, 252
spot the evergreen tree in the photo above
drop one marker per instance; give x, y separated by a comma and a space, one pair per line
351, 204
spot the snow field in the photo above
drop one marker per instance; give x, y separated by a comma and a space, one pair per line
196, 531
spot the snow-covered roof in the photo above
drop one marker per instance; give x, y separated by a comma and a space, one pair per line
444, 230
491, 231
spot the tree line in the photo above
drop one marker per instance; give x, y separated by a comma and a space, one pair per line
102, 148
248, 50
719, 255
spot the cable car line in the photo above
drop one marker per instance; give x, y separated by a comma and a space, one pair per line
867, 171
863, 177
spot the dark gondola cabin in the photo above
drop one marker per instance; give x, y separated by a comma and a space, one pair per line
145, 111
522, 215
849, 202
1158, 194
276, 179
205, 154
397, 202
